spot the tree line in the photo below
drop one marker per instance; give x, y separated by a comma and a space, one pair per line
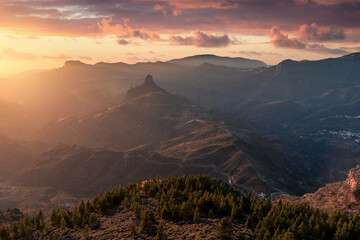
192, 198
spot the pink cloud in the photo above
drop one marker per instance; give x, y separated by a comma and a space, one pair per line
202, 39
149, 19
125, 30
283, 40
316, 33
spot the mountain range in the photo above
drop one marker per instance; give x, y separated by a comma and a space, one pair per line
153, 132
289, 128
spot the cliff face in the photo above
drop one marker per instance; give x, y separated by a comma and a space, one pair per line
353, 181
342, 195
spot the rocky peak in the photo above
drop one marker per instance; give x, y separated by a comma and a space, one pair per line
354, 182
147, 87
149, 80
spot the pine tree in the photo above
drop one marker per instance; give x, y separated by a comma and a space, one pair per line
63, 224
133, 230
196, 215
41, 218
241, 236
146, 224
51, 236
28, 235
54, 217
27, 220
225, 230
86, 231
289, 236
82, 207
4, 233
211, 213
15, 229
160, 235
248, 223
93, 218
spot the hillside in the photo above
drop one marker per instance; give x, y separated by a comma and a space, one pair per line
187, 207
16, 154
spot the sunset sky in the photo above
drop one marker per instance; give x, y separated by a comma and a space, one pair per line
42, 34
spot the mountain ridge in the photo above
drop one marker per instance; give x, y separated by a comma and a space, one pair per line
165, 134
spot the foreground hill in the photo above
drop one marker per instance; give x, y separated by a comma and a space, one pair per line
187, 207
153, 132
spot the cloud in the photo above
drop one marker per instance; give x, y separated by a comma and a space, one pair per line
322, 49
283, 40
11, 54
334, 2
167, 9
81, 18
157, 20
202, 39
176, 7
248, 53
122, 42
255, 53
124, 30
316, 33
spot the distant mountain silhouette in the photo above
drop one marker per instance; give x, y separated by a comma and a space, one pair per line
237, 62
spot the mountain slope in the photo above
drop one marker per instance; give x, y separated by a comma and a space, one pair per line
16, 154
153, 132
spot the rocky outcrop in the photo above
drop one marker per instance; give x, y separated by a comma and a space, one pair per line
342, 195
354, 182
147, 87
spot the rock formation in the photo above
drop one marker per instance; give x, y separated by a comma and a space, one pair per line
342, 195
354, 182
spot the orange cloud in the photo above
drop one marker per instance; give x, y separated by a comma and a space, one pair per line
125, 30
